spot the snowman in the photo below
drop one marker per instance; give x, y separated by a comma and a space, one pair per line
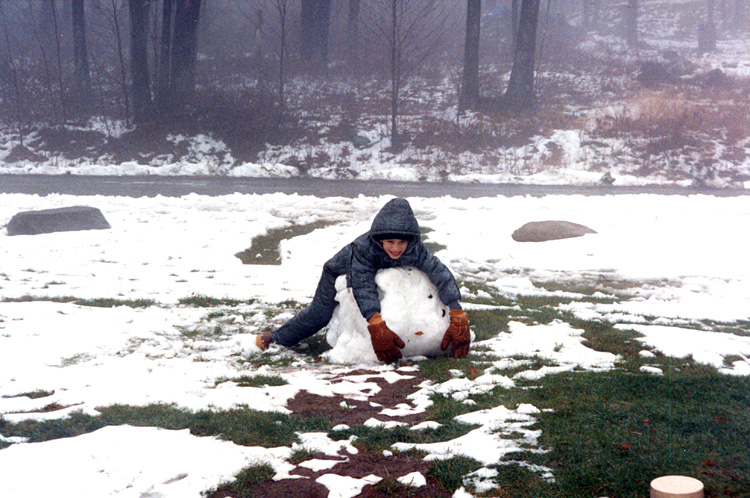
409, 304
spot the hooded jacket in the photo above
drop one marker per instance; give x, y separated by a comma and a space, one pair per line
365, 256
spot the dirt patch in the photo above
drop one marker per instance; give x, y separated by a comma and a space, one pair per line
388, 468
342, 410
355, 412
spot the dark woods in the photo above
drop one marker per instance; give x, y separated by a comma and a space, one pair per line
166, 62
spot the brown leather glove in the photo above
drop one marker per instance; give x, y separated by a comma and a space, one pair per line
385, 342
264, 340
457, 335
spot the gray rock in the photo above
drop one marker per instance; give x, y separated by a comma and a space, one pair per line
57, 220
540, 231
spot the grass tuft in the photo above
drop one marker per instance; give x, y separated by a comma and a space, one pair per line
244, 481
254, 380
202, 301
450, 472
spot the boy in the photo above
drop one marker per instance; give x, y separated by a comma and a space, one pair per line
394, 240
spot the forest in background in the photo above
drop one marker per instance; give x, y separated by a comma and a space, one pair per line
262, 73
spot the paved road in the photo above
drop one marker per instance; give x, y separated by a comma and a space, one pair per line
176, 186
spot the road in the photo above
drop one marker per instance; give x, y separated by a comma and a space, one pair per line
176, 186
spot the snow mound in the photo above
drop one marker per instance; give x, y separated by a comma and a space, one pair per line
411, 307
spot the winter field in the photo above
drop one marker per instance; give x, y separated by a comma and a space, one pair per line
127, 358
127, 366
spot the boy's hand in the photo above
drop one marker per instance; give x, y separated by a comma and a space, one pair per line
385, 342
458, 334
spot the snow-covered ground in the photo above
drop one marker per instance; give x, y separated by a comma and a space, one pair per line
670, 260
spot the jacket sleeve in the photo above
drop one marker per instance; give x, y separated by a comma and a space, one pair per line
363, 282
441, 276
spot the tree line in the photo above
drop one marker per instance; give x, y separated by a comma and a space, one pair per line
142, 60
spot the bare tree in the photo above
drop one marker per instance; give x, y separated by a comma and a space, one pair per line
164, 70
315, 18
139, 59
283, 10
515, 10
15, 81
707, 30
184, 50
520, 91
469, 97
352, 34
404, 34
630, 23
112, 13
80, 48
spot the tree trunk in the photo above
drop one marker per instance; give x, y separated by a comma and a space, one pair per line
139, 59
257, 57
58, 52
165, 55
315, 17
352, 34
520, 92
631, 23
395, 76
80, 50
469, 98
121, 59
185, 50
514, 19
282, 8
47, 25
707, 30
11, 63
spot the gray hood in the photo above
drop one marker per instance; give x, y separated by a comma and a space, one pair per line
397, 219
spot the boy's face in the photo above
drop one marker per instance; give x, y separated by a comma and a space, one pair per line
395, 247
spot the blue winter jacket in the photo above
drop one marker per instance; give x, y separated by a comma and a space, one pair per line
361, 259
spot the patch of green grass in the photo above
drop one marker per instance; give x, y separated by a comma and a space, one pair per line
202, 301
242, 426
611, 433
241, 486
254, 380
377, 439
488, 323
27, 298
299, 455
113, 303
439, 369
444, 408
39, 393
517, 481
96, 302
602, 336
264, 249
450, 472
481, 287
738, 327
525, 363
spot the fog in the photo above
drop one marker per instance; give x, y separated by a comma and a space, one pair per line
111, 81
